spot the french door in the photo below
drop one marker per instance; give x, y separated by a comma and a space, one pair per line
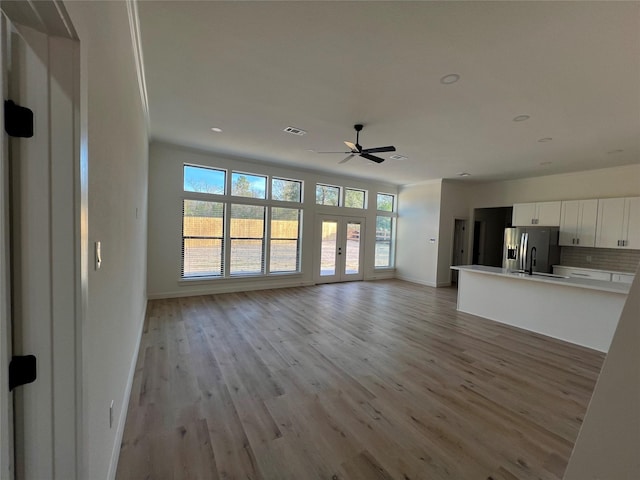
339, 248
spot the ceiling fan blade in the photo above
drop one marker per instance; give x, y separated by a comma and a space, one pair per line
390, 148
373, 158
352, 146
346, 159
335, 152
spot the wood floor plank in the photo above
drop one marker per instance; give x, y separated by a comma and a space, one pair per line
361, 380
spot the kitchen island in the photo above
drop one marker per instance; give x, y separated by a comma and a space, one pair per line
580, 311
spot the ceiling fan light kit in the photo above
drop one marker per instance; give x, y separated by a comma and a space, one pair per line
356, 149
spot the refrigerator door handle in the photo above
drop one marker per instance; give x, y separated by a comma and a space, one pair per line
524, 242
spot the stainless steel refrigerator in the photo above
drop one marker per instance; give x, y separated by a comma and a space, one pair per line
519, 243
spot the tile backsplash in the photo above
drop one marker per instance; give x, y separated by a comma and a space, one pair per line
614, 259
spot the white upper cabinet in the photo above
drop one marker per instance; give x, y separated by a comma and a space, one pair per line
618, 223
541, 213
578, 223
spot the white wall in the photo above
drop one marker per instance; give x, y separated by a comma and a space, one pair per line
609, 182
115, 143
609, 440
165, 222
419, 223
454, 204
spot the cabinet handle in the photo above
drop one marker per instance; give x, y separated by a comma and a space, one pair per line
573, 241
577, 241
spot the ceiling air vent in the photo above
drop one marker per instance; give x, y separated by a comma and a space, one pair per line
295, 131
397, 157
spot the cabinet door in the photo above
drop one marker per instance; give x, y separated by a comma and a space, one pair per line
632, 217
587, 221
610, 222
548, 214
523, 215
569, 222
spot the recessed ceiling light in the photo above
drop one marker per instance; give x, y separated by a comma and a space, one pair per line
464, 174
450, 78
216, 129
521, 118
610, 152
397, 157
545, 139
545, 163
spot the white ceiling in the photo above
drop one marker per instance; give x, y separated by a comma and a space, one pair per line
254, 68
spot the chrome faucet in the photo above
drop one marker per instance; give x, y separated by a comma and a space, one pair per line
532, 260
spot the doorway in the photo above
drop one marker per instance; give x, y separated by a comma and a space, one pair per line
339, 248
458, 255
488, 234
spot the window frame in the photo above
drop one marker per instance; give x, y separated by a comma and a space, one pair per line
340, 190
227, 200
301, 182
364, 197
202, 237
266, 184
393, 215
298, 242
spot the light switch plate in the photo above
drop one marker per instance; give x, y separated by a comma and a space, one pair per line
98, 252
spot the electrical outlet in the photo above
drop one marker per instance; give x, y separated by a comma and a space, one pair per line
588, 258
111, 415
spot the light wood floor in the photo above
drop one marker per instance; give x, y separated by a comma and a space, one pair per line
363, 380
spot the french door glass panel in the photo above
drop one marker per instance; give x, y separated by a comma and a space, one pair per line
352, 258
329, 248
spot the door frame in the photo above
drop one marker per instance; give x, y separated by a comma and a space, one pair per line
47, 29
342, 221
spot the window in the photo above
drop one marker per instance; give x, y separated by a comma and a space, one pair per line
246, 239
286, 190
385, 202
233, 227
385, 230
247, 185
285, 240
203, 180
384, 235
327, 195
354, 198
202, 238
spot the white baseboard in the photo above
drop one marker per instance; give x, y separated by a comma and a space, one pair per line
228, 288
115, 452
416, 280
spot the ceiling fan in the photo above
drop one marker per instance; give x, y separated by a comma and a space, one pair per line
356, 149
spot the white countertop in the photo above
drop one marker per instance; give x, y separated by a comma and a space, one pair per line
602, 285
595, 270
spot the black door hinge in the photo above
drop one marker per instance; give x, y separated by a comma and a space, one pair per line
22, 370
18, 121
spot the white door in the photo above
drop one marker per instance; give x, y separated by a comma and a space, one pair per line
6, 398
340, 248
44, 256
